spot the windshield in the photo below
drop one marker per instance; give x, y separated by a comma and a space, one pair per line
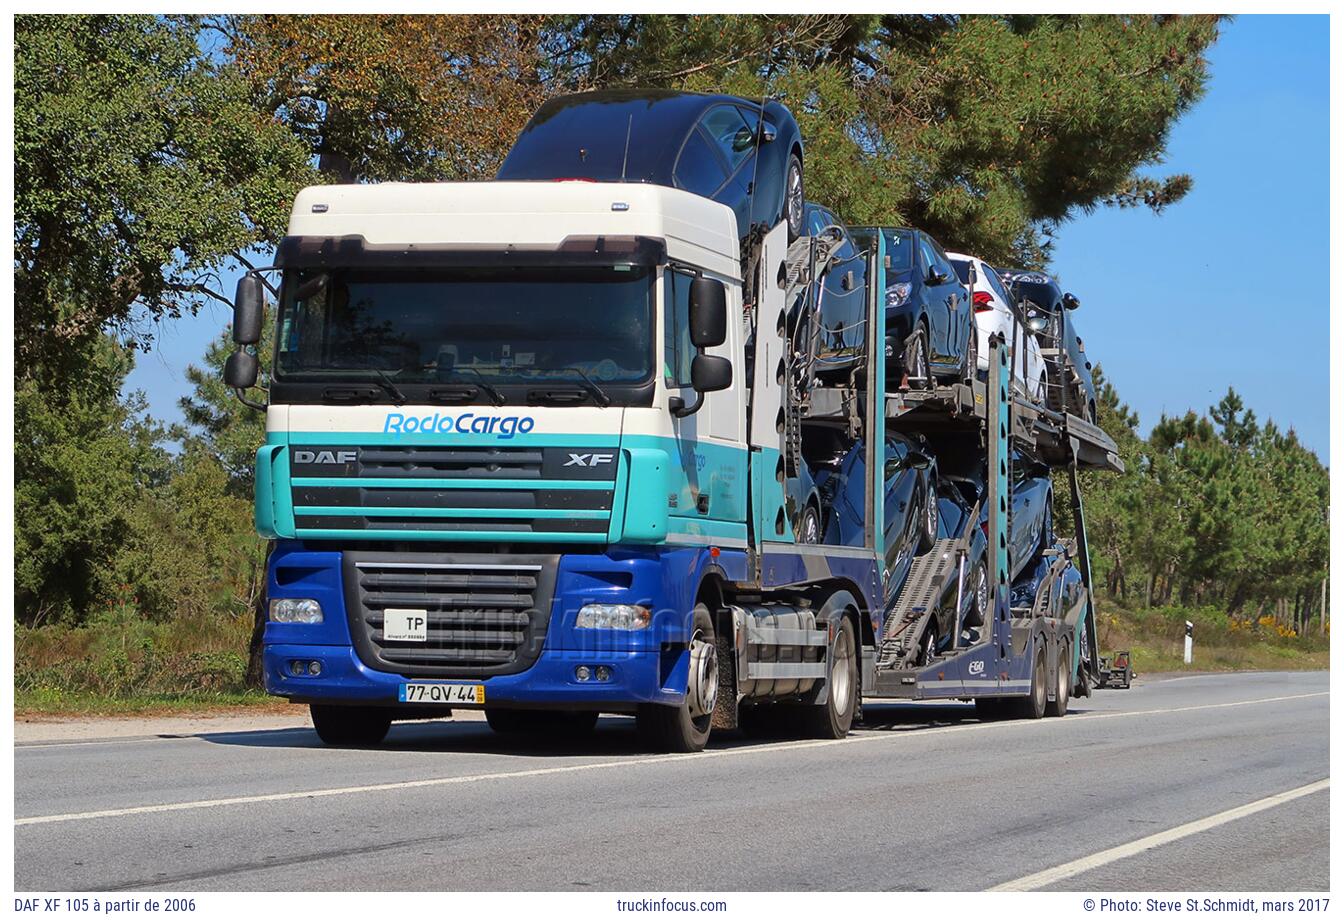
901, 250
501, 325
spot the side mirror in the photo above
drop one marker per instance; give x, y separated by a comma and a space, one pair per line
240, 371
935, 277
1071, 302
768, 132
708, 313
247, 308
710, 373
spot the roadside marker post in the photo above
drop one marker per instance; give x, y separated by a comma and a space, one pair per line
1189, 640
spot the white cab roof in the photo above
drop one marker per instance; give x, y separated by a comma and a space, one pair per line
696, 230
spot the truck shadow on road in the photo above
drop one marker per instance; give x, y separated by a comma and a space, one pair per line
614, 735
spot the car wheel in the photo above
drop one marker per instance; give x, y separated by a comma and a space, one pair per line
685, 729
793, 197
979, 613
916, 361
809, 526
928, 644
350, 726
928, 520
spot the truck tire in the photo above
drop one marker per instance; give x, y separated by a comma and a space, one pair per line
1062, 687
540, 722
350, 726
1032, 706
678, 729
833, 718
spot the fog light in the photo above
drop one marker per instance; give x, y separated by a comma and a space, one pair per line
295, 610
582, 672
603, 672
612, 616
296, 668
314, 668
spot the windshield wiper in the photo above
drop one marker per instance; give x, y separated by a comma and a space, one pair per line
388, 385
483, 385
599, 397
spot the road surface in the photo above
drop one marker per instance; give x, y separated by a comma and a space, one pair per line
1159, 788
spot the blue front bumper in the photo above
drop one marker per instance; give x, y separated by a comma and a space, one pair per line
645, 666
636, 677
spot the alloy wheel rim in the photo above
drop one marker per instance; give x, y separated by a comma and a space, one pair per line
842, 688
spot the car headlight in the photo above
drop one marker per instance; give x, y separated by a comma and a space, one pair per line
1037, 323
898, 293
612, 616
295, 610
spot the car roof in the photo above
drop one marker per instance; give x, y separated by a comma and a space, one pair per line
583, 135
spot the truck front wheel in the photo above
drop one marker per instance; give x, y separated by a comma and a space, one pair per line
685, 729
350, 726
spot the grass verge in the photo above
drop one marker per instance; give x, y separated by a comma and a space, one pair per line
1156, 640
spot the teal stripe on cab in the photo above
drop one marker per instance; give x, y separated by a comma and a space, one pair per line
479, 483
508, 536
446, 439
521, 513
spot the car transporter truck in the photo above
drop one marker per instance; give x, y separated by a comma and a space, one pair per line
529, 449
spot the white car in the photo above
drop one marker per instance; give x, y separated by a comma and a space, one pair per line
996, 312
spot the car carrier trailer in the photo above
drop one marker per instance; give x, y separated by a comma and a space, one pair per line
548, 547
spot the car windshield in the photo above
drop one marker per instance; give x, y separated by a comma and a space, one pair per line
901, 249
501, 324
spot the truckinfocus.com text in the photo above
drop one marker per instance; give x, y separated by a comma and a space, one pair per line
658, 905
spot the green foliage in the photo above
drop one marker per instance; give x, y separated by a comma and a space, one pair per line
1212, 509
140, 168
81, 460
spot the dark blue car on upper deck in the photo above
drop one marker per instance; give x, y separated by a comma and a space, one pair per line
744, 154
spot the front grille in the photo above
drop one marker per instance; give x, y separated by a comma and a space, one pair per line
486, 613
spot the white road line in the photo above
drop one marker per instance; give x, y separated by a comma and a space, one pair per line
1096, 860
641, 761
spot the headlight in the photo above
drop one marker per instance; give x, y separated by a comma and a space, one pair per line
295, 610
612, 616
898, 294
1037, 323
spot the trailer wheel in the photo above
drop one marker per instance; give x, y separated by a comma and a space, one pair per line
1033, 705
833, 718
1062, 689
928, 518
685, 729
350, 726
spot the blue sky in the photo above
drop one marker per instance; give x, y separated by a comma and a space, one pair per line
1228, 287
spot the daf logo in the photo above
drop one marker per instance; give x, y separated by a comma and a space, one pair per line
324, 456
588, 459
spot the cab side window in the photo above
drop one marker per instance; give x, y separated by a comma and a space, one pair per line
677, 348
